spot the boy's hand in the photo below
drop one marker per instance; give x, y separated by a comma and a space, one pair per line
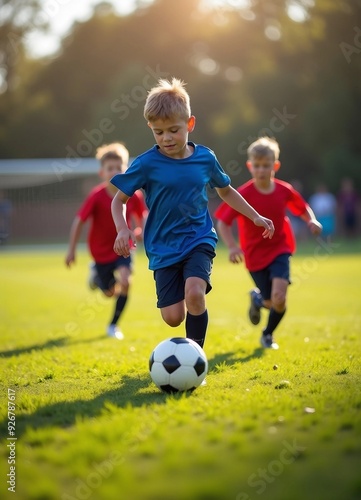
315, 227
138, 233
235, 255
267, 224
123, 242
70, 259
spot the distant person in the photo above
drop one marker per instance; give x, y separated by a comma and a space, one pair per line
110, 273
349, 207
268, 261
5, 216
324, 206
298, 225
179, 236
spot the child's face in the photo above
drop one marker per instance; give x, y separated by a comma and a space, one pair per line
111, 167
172, 135
262, 168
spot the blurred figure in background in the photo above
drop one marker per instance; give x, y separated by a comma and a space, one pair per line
267, 261
348, 208
5, 216
109, 272
299, 226
324, 206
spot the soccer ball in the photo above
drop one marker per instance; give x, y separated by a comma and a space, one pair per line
178, 364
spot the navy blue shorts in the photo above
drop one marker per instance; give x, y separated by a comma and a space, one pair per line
170, 281
105, 272
279, 268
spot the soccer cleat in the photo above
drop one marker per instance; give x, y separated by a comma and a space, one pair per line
113, 331
254, 312
92, 276
268, 343
203, 383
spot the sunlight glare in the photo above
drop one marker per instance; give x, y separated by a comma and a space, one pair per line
273, 31
298, 11
208, 66
226, 4
233, 74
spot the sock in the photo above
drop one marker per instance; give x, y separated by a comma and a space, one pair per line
119, 306
273, 319
196, 327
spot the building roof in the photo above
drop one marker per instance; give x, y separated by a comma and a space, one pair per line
29, 172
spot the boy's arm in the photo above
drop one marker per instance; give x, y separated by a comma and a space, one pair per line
309, 217
75, 232
236, 201
225, 232
124, 236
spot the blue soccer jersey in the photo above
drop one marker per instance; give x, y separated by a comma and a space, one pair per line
176, 196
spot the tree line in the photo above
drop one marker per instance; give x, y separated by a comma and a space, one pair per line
291, 70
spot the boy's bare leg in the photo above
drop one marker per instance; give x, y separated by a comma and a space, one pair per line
277, 311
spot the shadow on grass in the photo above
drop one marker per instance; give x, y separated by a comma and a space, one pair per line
230, 358
130, 392
135, 391
60, 342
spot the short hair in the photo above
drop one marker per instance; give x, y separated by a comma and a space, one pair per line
264, 146
114, 151
166, 100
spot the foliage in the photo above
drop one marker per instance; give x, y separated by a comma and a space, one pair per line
249, 71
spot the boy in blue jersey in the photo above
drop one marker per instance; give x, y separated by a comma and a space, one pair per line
179, 237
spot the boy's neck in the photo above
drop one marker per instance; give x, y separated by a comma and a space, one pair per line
265, 187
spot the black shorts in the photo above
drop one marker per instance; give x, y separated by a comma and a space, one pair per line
279, 268
105, 272
170, 281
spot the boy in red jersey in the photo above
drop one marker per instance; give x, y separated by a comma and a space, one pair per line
266, 260
109, 269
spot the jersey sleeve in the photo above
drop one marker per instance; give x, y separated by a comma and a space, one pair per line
86, 209
219, 178
225, 213
131, 180
296, 204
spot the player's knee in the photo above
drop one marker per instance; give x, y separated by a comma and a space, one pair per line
173, 319
194, 297
278, 299
124, 284
108, 293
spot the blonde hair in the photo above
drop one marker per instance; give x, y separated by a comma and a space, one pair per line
114, 151
166, 100
264, 146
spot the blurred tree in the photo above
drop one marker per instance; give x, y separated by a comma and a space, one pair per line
18, 18
287, 68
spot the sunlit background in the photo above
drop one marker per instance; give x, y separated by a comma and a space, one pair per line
75, 75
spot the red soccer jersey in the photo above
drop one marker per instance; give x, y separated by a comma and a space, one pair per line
102, 234
260, 252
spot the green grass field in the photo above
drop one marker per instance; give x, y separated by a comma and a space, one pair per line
91, 425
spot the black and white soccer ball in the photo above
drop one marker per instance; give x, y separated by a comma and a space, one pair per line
178, 364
